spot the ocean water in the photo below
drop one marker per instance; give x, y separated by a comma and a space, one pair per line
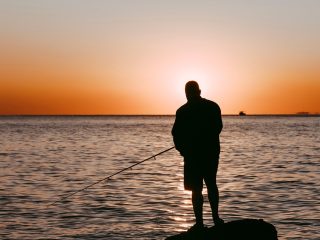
269, 169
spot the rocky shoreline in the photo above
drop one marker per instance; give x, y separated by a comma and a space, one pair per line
246, 229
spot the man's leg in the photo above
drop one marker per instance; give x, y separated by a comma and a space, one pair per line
193, 181
197, 203
213, 192
213, 195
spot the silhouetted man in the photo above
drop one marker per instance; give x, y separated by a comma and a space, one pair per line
195, 133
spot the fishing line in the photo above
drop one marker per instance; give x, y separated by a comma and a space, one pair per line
108, 177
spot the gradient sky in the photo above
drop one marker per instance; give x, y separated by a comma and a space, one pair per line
134, 56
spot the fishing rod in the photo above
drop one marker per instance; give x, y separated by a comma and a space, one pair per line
108, 177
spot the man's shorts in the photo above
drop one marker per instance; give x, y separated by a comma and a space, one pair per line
195, 172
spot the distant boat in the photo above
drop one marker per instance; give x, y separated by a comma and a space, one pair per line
242, 113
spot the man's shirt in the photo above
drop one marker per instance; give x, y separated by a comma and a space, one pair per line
197, 127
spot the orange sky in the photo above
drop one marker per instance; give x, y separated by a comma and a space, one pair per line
118, 57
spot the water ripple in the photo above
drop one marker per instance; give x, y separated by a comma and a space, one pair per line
269, 168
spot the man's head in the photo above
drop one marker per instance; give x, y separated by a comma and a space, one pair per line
192, 90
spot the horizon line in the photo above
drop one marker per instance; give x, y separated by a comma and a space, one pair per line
128, 115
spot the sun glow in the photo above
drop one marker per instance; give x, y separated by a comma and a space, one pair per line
196, 75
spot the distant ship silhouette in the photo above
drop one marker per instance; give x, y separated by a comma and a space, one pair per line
242, 113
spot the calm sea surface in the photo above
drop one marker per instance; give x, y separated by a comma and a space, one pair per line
269, 168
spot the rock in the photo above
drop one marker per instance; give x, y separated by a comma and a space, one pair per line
246, 229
